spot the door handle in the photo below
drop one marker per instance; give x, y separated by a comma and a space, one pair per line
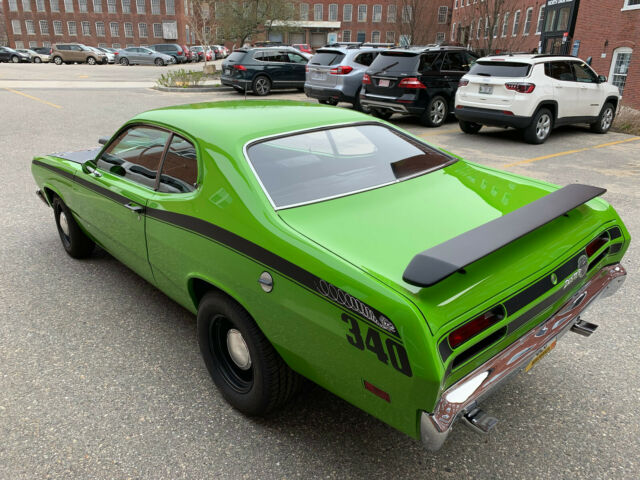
135, 208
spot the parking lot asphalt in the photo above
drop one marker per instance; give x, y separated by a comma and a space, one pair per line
101, 375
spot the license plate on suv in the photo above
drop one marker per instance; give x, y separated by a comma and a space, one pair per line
488, 89
317, 76
383, 83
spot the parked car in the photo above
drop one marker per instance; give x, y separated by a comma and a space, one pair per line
187, 53
34, 56
415, 81
42, 50
303, 47
334, 74
111, 57
264, 69
195, 55
10, 55
535, 93
263, 229
76, 53
143, 56
173, 49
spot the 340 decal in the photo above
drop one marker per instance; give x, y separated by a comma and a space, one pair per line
387, 352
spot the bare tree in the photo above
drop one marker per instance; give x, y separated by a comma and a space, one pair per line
418, 21
203, 24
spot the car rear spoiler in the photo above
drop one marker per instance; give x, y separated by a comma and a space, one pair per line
437, 263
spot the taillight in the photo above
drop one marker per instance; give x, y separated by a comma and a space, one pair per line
239, 67
411, 82
475, 326
306, 68
341, 70
463, 83
597, 244
366, 79
520, 87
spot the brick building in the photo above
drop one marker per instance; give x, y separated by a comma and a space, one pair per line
608, 31
104, 23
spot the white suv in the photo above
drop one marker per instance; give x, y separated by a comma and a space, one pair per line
534, 93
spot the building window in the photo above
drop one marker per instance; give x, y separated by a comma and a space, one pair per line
362, 13
19, 44
390, 37
68, 6
170, 6
31, 27
115, 45
100, 29
128, 29
46, 43
126, 6
479, 29
333, 12
621, 59
346, 36
16, 27
157, 30
111, 6
86, 29
347, 14
13, 5
455, 5
72, 28
40, 5
453, 31
304, 11
140, 6
57, 27
470, 31
102, 45
44, 27
391, 14
516, 24
155, 7
440, 37
317, 12
26, 5
377, 14
97, 6
486, 27
114, 29
527, 21
142, 30
540, 20
55, 6
361, 37
495, 26
33, 44
442, 14
375, 37
505, 25
631, 4
82, 6
407, 13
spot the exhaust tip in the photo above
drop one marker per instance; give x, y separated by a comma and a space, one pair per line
584, 328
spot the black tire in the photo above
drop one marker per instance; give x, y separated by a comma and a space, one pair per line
301, 89
383, 114
37, 60
74, 241
328, 101
159, 62
358, 106
436, 112
266, 382
261, 85
105, 61
605, 119
15, 59
124, 61
469, 127
540, 128
91, 61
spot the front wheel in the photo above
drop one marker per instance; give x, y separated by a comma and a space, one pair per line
124, 61
74, 241
469, 127
91, 61
605, 119
245, 367
15, 59
540, 128
159, 62
328, 101
436, 112
261, 86
37, 60
57, 60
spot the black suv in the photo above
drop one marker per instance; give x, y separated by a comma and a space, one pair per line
264, 69
415, 81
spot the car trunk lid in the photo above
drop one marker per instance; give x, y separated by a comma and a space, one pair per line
320, 65
487, 83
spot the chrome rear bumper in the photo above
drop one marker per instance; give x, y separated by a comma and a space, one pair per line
461, 399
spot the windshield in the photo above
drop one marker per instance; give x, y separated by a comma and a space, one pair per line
327, 57
395, 61
319, 165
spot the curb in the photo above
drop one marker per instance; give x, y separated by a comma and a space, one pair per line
203, 89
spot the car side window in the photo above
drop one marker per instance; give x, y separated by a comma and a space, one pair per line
430, 62
135, 155
295, 58
583, 73
455, 61
180, 167
559, 71
365, 59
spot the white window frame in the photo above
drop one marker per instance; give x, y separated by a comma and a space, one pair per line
516, 23
143, 31
159, 25
45, 30
443, 11
347, 13
392, 13
68, 6
440, 37
170, 7
40, 6
112, 6
318, 12
505, 24
13, 5
346, 35
540, 23
128, 34
141, 6
100, 29
126, 6
376, 15
57, 31
33, 27
362, 8
54, 5
528, 19
16, 26
627, 6
114, 26
390, 37
304, 11
86, 32
333, 12
453, 31
73, 32
373, 40
155, 7
407, 13
26, 5
614, 58
83, 6
97, 6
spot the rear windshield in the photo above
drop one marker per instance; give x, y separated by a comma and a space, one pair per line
235, 56
327, 57
314, 166
500, 69
394, 61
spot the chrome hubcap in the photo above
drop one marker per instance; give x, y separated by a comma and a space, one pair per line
238, 350
543, 126
64, 224
261, 85
607, 119
437, 111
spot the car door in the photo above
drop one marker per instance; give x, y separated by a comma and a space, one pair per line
146, 56
114, 190
298, 65
454, 66
4, 54
278, 67
591, 94
565, 89
77, 54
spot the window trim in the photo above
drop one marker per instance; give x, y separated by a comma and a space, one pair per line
627, 7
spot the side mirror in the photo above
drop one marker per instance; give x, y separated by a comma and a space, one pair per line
89, 167
103, 140
602, 79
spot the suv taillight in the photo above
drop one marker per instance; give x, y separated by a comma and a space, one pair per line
306, 68
239, 67
411, 82
366, 79
341, 70
520, 87
463, 83
475, 326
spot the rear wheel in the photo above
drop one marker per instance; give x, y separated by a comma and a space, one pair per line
540, 128
124, 61
383, 114
605, 119
328, 101
74, 240
436, 112
91, 61
261, 86
469, 127
57, 60
245, 367
37, 60
159, 62
15, 59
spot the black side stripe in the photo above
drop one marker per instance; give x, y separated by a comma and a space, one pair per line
229, 239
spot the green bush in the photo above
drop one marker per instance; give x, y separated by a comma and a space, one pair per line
181, 78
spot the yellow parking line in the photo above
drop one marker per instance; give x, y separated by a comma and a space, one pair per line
83, 76
33, 98
569, 152
437, 131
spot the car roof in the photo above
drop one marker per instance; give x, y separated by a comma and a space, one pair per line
531, 58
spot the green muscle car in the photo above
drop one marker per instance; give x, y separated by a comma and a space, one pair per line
320, 243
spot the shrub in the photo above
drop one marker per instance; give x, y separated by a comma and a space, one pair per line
181, 78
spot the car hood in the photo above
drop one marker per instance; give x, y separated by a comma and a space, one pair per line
381, 230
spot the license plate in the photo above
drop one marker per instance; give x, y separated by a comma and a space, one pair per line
488, 89
383, 83
546, 349
227, 71
317, 76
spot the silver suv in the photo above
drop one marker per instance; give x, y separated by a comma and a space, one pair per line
334, 73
